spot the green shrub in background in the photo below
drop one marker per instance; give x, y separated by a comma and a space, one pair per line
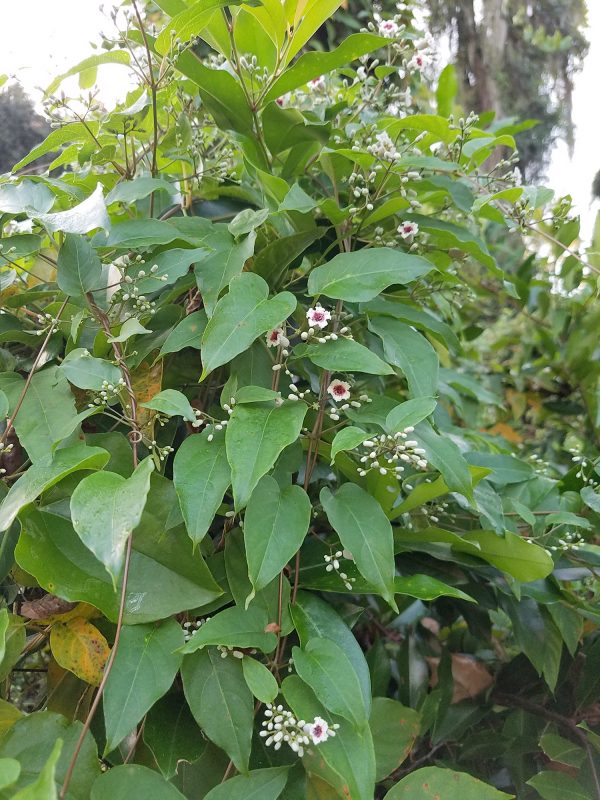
299, 439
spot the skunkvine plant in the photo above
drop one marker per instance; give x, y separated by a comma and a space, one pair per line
265, 530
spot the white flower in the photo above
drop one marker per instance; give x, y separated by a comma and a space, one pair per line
388, 28
318, 317
317, 83
277, 338
319, 730
408, 230
383, 147
339, 390
418, 62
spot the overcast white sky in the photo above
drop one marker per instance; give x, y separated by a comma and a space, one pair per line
41, 38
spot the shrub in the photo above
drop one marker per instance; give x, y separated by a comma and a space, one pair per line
270, 344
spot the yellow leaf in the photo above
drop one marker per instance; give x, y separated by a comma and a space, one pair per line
8, 716
79, 647
146, 381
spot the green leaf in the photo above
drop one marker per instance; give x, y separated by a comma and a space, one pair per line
143, 671
315, 619
260, 680
172, 734
562, 750
503, 469
426, 783
447, 234
410, 413
83, 218
447, 88
221, 702
25, 196
254, 438
221, 94
133, 780
365, 531
273, 260
187, 333
553, 785
86, 372
189, 23
247, 221
32, 741
79, 268
347, 761
313, 64
234, 627
444, 455
90, 63
71, 132
395, 729
362, 275
347, 439
255, 394
344, 355
47, 414
172, 403
44, 787
139, 233
201, 475
275, 524
9, 771
324, 666
106, 508
131, 327
510, 553
138, 188
409, 350
241, 317
45, 474
12, 642
50, 550
260, 784
215, 272
310, 16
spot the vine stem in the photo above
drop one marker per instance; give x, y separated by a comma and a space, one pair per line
153, 87
36, 363
135, 439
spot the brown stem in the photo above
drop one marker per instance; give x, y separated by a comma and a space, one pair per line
153, 88
134, 438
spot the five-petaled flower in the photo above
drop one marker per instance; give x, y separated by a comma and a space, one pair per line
388, 28
277, 338
417, 62
339, 390
318, 317
408, 230
319, 730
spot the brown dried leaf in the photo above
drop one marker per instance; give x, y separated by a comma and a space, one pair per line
470, 676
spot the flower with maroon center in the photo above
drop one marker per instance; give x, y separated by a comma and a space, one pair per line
277, 338
318, 317
317, 83
339, 390
388, 28
319, 730
408, 230
417, 62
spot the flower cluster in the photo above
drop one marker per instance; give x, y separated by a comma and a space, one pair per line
383, 147
333, 565
281, 726
385, 452
108, 392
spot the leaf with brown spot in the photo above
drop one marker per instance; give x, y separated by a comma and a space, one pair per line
46, 607
79, 647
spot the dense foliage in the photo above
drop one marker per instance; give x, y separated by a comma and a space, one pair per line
300, 429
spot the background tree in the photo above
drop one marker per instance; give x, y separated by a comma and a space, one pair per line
21, 128
500, 46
